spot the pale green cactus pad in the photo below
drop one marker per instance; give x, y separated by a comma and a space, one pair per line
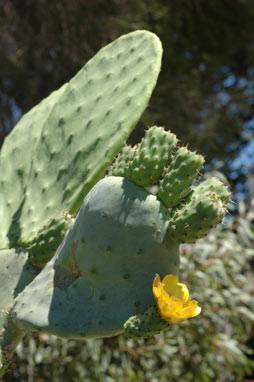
15, 273
62, 147
16, 156
104, 269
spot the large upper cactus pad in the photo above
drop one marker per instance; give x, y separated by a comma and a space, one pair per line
60, 149
103, 272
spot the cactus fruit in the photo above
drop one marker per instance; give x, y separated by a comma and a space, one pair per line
102, 272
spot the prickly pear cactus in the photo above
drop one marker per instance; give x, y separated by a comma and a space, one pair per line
101, 279
61, 148
102, 273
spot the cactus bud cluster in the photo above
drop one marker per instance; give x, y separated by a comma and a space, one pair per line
193, 210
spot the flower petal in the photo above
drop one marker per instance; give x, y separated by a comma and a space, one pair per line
174, 288
173, 300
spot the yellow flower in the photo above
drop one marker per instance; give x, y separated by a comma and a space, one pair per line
173, 300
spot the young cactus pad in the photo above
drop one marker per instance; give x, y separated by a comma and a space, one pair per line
145, 325
102, 273
145, 163
178, 177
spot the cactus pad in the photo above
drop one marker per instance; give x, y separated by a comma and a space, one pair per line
216, 186
178, 177
121, 165
15, 273
16, 156
151, 155
43, 246
147, 160
145, 325
193, 220
104, 269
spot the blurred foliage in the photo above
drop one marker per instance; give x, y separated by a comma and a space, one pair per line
205, 90
211, 347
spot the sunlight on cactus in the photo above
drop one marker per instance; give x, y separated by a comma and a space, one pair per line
78, 219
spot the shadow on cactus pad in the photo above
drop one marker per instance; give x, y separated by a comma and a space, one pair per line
102, 273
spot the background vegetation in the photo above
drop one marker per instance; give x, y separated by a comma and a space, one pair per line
204, 95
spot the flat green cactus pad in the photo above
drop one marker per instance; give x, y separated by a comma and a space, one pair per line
16, 157
145, 325
43, 246
62, 147
15, 273
151, 155
104, 269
